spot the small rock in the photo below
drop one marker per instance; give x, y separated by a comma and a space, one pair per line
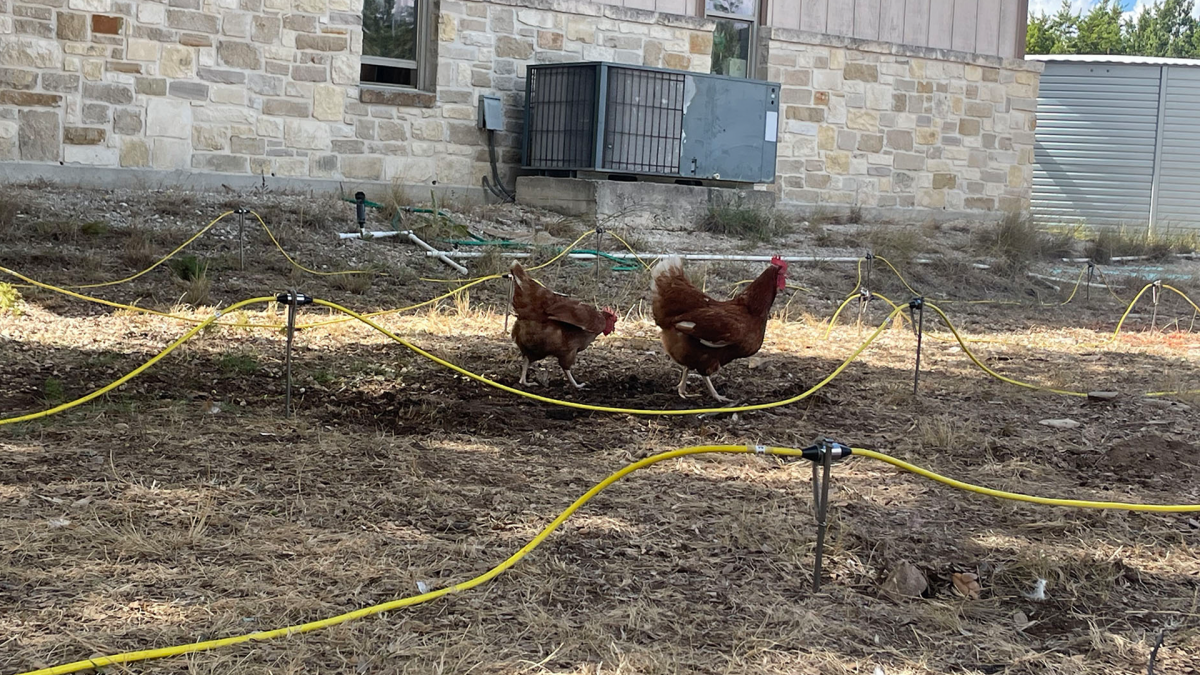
1102, 395
1020, 620
1060, 424
58, 522
905, 581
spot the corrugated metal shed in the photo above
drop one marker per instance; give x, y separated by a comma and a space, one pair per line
1118, 141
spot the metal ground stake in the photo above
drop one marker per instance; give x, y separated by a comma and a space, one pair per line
821, 498
293, 300
242, 236
1087, 290
1155, 293
917, 308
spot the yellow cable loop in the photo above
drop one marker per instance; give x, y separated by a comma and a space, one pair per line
1017, 497
131, 308
628, 411
508, 563
898, 275
833, 319
967, 350
293, 262
558, 256
162, 260
136, 371
630, 248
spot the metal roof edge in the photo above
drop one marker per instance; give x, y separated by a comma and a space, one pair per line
1127, 59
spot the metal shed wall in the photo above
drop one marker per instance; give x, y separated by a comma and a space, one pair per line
1118, 144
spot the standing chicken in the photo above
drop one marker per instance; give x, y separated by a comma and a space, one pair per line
703, 334
552, 324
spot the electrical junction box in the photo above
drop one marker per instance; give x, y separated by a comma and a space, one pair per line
491, 116
627, 120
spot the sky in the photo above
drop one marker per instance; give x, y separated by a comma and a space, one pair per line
1131, 7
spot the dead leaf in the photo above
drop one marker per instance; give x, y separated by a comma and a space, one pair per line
967, 584
1020, 620
1060, 424
905, 581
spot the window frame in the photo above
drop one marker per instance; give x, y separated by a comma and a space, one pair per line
755, 20
426, 57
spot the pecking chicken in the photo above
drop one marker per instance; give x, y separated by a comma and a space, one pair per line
552, 324
703, 334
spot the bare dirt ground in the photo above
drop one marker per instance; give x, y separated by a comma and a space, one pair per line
184, 506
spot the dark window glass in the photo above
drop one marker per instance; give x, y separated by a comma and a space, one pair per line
390, 29
401, 77
731, 47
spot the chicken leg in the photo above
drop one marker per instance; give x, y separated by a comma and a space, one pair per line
571, 378
713, 390
682, 388
525, 372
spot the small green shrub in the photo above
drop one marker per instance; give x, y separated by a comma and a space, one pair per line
53, 392
351, 283
238, 364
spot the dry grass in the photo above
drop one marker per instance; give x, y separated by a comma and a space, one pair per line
145, 519
1113, 243
897, 243
744, 222
352, 283
1018, 242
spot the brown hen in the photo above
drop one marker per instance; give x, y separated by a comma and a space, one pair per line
552, 324
703, 334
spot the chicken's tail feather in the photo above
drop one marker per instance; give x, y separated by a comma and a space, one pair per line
664, 265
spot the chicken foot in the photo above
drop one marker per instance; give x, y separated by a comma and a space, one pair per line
713, 390
682, 388
571, 378
524, 373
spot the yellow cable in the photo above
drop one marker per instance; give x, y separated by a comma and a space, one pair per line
162, 260
628, 411
262, 636
898, 275
967, 350
292, 261
136, 371
1014, 496
630, 248
833, 319
558, 256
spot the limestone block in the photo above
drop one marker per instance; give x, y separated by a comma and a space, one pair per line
151, 13
306, 134
83, 136
167, 117
135, 153
127, 121
170, 153
30, 53
177, 62
92, 155
328, 102
239, 55
39, 135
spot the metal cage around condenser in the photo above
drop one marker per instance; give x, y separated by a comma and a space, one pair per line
619, 119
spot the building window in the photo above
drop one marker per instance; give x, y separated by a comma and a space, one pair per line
733, 39
396, 48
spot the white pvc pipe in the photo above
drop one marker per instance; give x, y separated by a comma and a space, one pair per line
691, 256
429, 250
433, 252
370, 235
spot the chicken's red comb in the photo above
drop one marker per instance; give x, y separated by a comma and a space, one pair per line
778, 261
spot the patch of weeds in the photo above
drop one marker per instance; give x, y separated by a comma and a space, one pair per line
9, 209
564, 228
238, 364
898, 243
11, 302
322, 376
351, 283
176, 204
139, 250
736, 220
1120, 242
1017, 241
94, 228
192, 275
57, 230
53, 392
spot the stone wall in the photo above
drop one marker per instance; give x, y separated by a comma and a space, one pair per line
270, 88
874, 125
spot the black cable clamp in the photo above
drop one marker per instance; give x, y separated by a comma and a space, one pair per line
865, 295
285, 298
816, 453
600, 229
1155, 291
360, 208
241, 211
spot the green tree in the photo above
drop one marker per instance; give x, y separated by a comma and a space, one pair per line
1040, 39
1099, 32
